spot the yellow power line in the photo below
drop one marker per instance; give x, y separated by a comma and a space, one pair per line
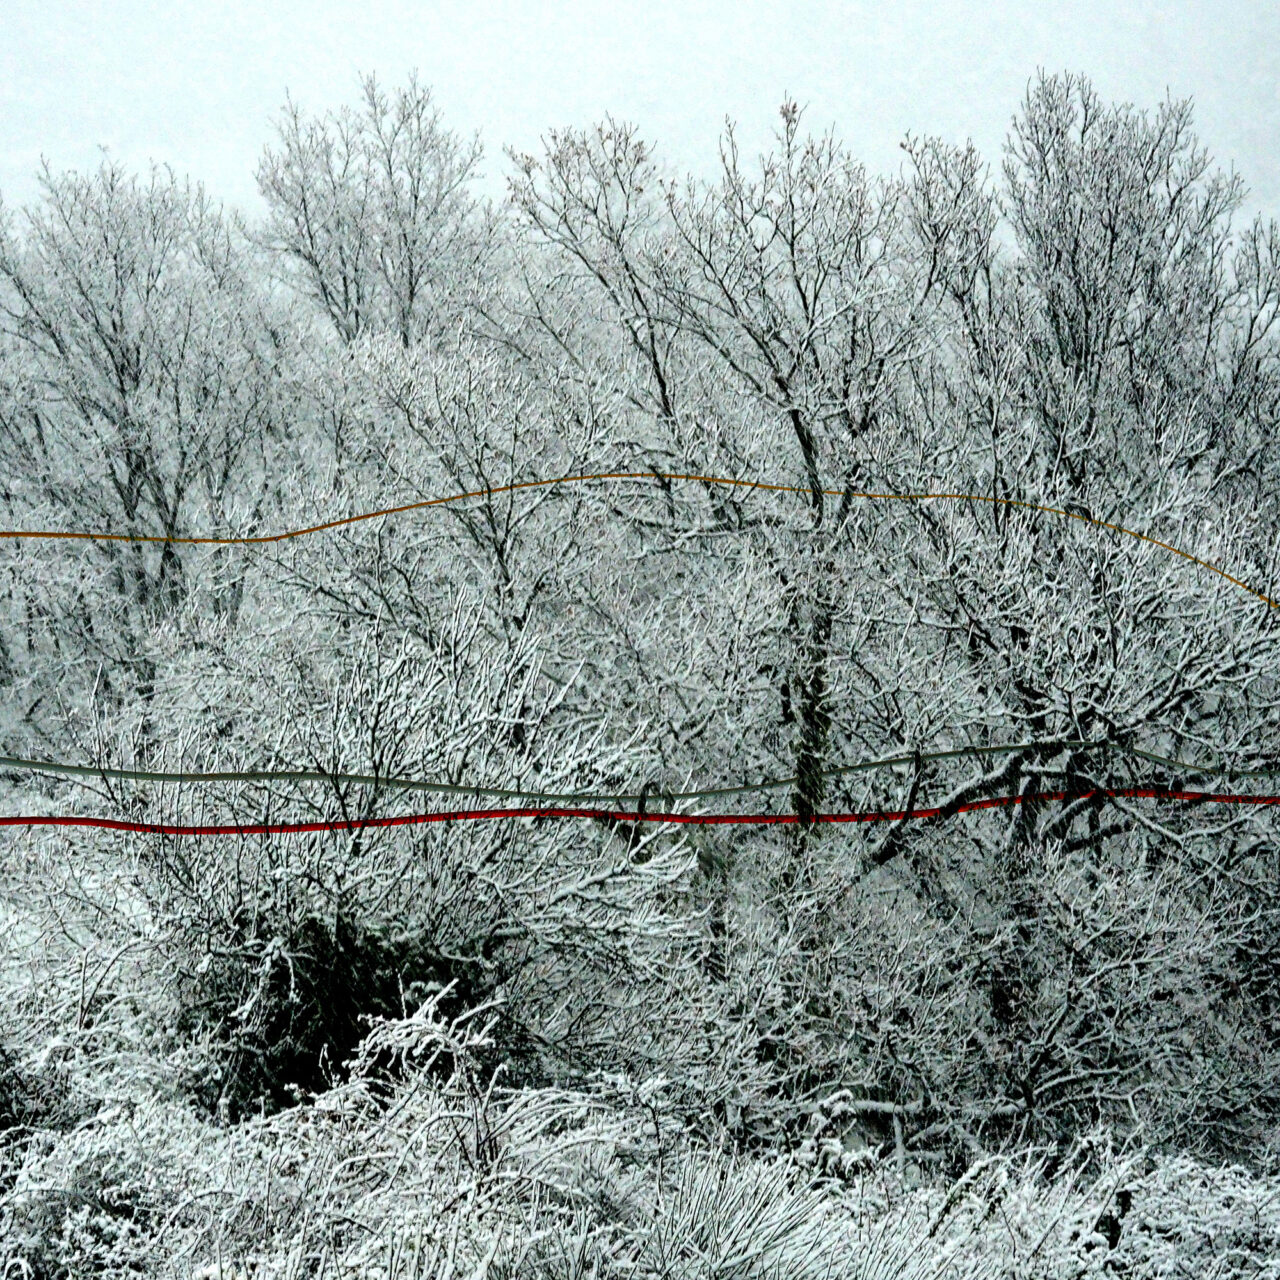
641, 475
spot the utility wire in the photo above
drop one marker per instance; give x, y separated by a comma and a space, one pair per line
709, 819
1215, 769
643, 475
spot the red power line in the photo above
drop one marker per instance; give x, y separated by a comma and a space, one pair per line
610, 815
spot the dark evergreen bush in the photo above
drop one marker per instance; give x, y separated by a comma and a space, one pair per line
284, 1023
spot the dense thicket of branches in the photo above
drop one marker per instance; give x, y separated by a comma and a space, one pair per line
1093, 333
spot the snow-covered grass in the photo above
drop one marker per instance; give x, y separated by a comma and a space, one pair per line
425, 1178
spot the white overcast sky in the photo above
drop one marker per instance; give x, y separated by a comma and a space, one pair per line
197, 83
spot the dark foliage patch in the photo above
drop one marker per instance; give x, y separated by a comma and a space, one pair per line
312, 1009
